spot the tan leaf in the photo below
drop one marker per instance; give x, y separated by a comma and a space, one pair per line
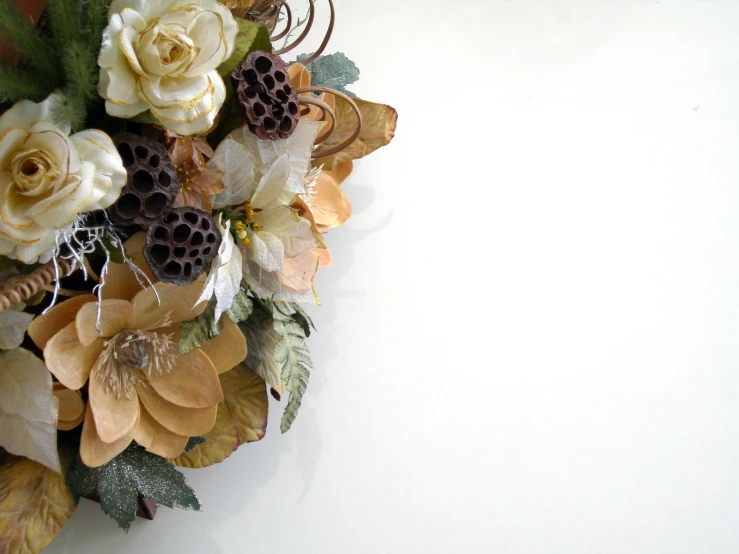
35, 504
378, 128
242, 418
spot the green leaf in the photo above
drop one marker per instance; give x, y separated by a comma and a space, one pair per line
292, 356
134, 472
17, 84
7, 264
301, 318
193, 443
197, 332
261, 339
241, 308
146, 118
333, 71
251, 37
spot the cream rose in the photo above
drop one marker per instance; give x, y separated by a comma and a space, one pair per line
47, 178
162, 56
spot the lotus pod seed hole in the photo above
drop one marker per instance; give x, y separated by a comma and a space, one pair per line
197, 239
142, 182
180, 252
161, 234
128, 205
159, 253
141, 152
259, 109
126, 155
155, 204
181, 233
172, 269
154, 161
164, 179
263, 64
280, 76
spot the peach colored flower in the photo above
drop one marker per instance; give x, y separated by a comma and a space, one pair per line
140, 387
197, 182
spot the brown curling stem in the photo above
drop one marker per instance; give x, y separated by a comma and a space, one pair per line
301, 38
19, 288
338, 148
325, 110
282, 4
326, 38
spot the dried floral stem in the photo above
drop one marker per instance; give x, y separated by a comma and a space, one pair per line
338, 148
325, 110
288, 25
19, 288
301, 38
326, 38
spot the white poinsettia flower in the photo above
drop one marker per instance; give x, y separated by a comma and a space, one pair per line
48, 178
162, 56
263, 172
13, 325
224, 279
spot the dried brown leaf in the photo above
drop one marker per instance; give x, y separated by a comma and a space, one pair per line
35, 503
242, 418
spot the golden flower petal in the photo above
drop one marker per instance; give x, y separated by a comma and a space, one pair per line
95, 452
113, 320
45, 326
208, 182
299, 75
329, 205
158, 439
71, 407
192, 383
190, 422
175, 300
70, 361
324, 257
114, 417
121, 282
228, 349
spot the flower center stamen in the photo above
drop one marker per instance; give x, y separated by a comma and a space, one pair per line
131, 356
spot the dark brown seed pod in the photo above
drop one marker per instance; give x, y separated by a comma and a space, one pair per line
152, 181
264, 96
181, 245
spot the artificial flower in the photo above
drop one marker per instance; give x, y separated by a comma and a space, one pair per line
71, 407
197, 182
28, 409
162, 56
48, 178
140, 387
273, 171
224, 280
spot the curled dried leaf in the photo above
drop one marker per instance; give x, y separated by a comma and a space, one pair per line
242, 418
35, 503
379, 122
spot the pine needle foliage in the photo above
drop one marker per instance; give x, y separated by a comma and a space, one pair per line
291, 354
16, 84
80, 67
38, 52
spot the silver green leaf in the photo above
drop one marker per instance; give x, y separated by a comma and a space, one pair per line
333, 71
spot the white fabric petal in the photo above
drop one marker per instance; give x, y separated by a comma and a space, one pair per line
293, 231
272, 183
236, 165
267, 250
110, 176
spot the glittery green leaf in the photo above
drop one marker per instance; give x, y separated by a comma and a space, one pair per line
200, 330
193, 443
302, 318
134, 472
333, 71
241, 308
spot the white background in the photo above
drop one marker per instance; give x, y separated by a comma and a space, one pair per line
529, 338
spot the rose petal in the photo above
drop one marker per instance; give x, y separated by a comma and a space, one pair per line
93, 451
45, 326
113, 320
228, 349
68, 360
190, 422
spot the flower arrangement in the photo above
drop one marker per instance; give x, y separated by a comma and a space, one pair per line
166, 183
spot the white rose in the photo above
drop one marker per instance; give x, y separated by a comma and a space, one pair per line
162, 56
47, 178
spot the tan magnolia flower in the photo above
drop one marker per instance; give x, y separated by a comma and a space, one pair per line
71, 407
197, 182
162, 56
48, 178
140, 387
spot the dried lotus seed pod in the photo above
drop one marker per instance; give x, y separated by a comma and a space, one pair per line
182, 245
152, 181
265, 97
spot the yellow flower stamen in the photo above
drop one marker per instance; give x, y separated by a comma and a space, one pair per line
257, 228
246, 241
250, 213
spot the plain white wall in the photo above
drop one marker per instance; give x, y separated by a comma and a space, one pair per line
528, 342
